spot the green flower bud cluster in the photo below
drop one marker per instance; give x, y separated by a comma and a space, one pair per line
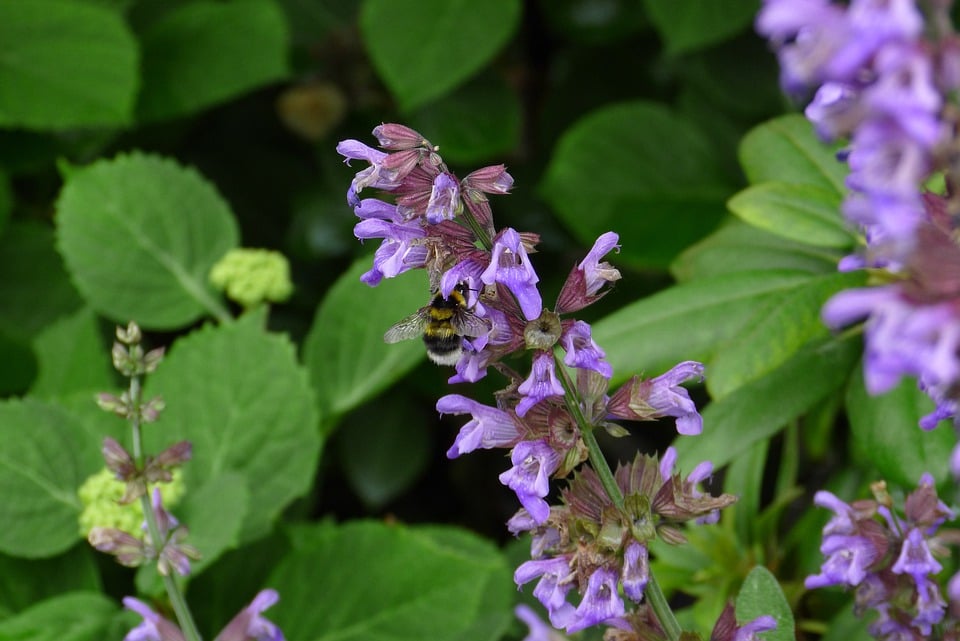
252, 276
100, 496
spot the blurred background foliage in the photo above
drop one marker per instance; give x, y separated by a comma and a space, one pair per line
621, 115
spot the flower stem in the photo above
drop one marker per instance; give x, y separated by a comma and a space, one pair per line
177, 600
655, 597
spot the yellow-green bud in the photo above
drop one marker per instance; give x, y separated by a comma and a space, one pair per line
252, 276
101, 492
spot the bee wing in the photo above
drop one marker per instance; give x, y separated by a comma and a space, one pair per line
410, 327
469, 324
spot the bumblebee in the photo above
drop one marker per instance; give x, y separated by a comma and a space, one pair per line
442, 324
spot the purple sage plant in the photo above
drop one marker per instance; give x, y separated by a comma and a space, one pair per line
590, 551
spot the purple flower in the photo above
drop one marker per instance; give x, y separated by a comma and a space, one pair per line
848, 558
843, 519
667, 461
930, 606
489, 427
636, 570
749, 631
510, 265
444, 203
598, 274
542, 383
600, 602
153, 627
401, 249
376, 175
582, 352
539, 631
902, 339
669, 399
249, 625
533, 463
915, 558
556, 579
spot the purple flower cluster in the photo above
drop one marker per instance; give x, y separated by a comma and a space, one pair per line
587, 544
882, 71
445, 225
890, 560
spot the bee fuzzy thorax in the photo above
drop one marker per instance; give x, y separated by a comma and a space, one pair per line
442, 324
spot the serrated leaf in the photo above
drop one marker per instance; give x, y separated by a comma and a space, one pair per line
886, 434
348, 361
738, 247
39, 478
139, 235
29, 264
65, 64
24, 582
761, 594
637, 169
761, 408
779, 328
441, 584
77, 616
687, 321
804, 213
687, 25
204, 53
72, 357
440, 44
787, 150
238, 394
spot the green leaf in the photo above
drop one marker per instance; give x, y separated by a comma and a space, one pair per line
215, 512
782, 326
139, 235
238, 394
686, 321
38, 479
886, 435
204, 53
738, 247
73, 357
686, 25
77, 616
348, 361
65, 64
24, 582
424, 48
19, 365
478, 121
786, 150
804, 213
761, 594
29, 264
637, 169
847, 626
436, 583
391, 450
759, 409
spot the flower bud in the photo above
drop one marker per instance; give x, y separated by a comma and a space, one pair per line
130, 335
